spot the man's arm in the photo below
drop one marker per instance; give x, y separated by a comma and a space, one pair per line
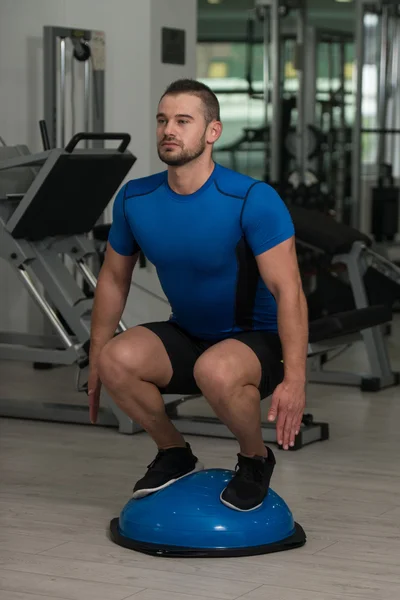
110, 298
269, 230
279, 270
111, 293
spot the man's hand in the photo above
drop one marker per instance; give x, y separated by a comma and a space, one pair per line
288, 404
94, 390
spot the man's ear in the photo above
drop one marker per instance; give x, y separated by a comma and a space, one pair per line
214, 132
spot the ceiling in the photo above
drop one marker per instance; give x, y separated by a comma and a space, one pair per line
227, 20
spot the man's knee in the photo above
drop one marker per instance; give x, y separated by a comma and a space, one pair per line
216, 376
137, 354
118, 362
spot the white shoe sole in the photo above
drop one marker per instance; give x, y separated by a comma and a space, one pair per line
143, 493
236, 508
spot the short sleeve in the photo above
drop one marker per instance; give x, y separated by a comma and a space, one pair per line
266, 221
121, 236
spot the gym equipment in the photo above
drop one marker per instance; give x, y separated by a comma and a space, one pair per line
188, 519
53, 202
257, 139
385, 205
83, 50
271, 13
376, 130
44, 214
252, 139
349, 255
331, 113
309, 193
313, 134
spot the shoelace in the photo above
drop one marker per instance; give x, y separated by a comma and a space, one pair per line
250, 471
160, 454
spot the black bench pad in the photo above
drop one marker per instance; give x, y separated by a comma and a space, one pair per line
323, 232
101, 232
348, 322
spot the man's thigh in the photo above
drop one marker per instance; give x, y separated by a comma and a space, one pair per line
183, 352
247, 358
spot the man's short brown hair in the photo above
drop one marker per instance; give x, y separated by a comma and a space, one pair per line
202, 91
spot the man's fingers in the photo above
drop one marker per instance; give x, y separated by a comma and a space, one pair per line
273, 411
299, 421
293, 433
287, 430
94, 391
295, 429
94, 403
280, 425
93, 413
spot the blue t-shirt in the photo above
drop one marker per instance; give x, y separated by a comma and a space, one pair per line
204, 245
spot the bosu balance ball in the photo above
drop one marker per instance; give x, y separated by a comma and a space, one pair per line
188, 519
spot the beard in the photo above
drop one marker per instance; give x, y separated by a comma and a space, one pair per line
182, 156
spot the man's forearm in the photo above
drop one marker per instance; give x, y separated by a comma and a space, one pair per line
109, 304
293, 332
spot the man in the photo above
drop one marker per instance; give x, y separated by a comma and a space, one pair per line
223, 246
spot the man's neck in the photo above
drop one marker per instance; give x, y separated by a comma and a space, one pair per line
189, 178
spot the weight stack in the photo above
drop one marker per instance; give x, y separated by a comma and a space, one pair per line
385, 213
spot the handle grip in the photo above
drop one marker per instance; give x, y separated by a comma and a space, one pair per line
124, 137
45, 135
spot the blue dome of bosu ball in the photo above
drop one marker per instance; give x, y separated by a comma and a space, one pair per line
188, 519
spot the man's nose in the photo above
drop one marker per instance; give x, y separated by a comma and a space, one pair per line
169, 129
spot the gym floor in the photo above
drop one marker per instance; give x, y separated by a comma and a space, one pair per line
61, 484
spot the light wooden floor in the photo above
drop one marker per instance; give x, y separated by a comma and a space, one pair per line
61, 484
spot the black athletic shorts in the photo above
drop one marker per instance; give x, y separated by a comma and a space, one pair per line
184, 350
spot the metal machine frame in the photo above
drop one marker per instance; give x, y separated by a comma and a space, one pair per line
380, 374
271, 12
40, 267
388, 80
337, 185
89, 48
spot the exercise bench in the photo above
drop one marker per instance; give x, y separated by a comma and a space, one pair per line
350, 256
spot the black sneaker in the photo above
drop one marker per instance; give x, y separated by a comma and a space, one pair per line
168, 466
249, 486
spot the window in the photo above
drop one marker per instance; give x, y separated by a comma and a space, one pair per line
223, 67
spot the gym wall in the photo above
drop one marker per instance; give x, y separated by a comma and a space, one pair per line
135, 79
